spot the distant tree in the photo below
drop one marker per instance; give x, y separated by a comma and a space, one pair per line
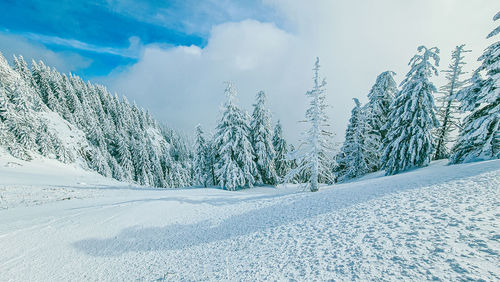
409, 143
447, 111
261, 138
312, 156
202, 165
376, 113
281, 164
352, 158
479, 137
235, 166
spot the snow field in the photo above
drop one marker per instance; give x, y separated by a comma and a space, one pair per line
440, 222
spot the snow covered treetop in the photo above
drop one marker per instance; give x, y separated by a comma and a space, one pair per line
421, 64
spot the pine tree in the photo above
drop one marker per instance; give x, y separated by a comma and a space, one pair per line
235, 166
201, 159
123, 141
479, 137
261, 138
447, 112
376, 115
353, 153
409, 142
17, 112
312, 157
281, 164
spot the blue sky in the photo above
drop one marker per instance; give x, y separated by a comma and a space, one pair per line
106, 33
172, 57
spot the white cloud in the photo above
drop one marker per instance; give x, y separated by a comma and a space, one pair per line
356, 40
12, 44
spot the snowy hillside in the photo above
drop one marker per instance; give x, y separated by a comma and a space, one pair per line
43, 180
439, 222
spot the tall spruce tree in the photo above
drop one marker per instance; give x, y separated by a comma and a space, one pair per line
479, 137
376, 113
447, 111
352, 158
261, 138
312, 156
202, 167
281, 164
409, 141
235, 166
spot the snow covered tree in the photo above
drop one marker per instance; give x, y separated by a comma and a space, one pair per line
235, 166
376, 115
447, 112
261, 138
122, 141
409, 142
352, 158
281, 164
479, 137
202, 166
312, 156
17, 112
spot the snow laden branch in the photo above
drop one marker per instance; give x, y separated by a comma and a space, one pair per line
409, 143
235, 166
479, 137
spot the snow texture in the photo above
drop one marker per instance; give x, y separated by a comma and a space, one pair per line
435, 223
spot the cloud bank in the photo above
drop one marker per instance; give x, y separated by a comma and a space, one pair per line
356, 40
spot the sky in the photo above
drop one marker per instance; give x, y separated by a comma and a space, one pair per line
173, 57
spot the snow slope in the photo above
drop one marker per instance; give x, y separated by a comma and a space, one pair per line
440, 222
44, 180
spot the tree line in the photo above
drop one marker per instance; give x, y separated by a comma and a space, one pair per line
120, 140
398, 129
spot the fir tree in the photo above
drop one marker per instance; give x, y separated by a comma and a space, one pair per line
235, 166
281, 164
409, 142
353, 153
447, 112
261, 138
376, 115
479, 137
312, 157
202, 168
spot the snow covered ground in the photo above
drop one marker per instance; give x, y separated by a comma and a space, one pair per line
440, 222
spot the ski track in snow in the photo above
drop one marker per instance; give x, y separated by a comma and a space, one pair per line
436, 223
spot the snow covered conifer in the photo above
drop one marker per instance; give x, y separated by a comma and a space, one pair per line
479, 137
235, 166
409, 143
376, 113
352, 158
261, 138
447, 112
281, 164
312, 156
201, 159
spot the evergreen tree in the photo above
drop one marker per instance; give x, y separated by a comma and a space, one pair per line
376, 115
122, 140
479, 137
409, 142
312, 157
235, 166
202, 174
447, 112
353, 153
281, 164
261, 138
